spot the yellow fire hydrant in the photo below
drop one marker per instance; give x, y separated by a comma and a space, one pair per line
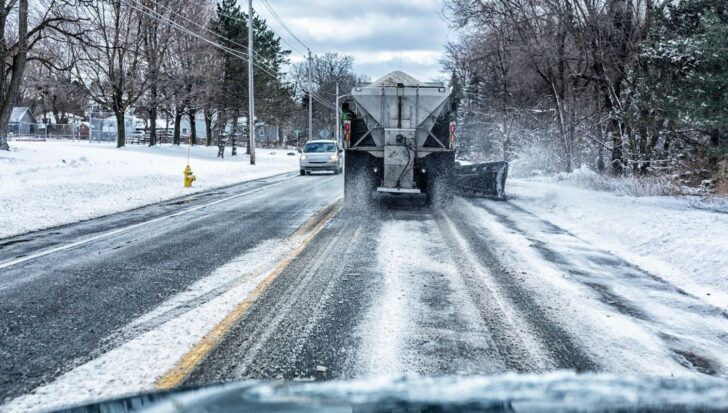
189, 176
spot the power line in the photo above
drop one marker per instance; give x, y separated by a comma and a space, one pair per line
323, 101
283, 24
145, 10
271, 29
243, 21
256, 55
236, 53
158, 16
234, 18
277, 17
239, 54
193, 22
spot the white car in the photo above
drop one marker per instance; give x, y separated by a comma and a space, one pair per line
321, 155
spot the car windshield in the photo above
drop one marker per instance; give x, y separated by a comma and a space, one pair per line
446, 189
319, 147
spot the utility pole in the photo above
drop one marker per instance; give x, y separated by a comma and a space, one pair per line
338, 134
251, 98
310, 98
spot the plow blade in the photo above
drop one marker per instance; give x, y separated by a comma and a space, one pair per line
483, 180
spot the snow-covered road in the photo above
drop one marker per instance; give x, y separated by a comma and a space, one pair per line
486, 287
480, 288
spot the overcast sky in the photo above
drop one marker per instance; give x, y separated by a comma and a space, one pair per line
382, 35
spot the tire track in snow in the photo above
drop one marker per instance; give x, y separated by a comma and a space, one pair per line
301, 328
660, 326
425, 318
517, 328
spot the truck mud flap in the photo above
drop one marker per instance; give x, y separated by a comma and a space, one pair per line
481, 180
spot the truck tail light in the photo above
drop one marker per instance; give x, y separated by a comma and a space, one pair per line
347, 132
453, 127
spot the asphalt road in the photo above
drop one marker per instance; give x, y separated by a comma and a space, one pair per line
479, 288
367, 297
63, 304
404, 289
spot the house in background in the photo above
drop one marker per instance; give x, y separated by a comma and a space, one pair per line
22, 121
103, 128
186, 127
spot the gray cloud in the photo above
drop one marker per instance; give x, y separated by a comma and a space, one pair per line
382, 35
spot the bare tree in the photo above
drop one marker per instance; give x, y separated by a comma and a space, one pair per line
328, 70
190, 68
156, 37
562, 52
18, 57
20, 34
111, 67
53, 91
209, 90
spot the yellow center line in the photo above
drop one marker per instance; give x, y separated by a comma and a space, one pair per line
182, 369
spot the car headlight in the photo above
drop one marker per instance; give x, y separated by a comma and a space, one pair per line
334, 157
303, 157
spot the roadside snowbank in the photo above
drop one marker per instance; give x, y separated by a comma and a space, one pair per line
670, 237
45, 184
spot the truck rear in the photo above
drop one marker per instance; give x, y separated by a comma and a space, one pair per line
399, 136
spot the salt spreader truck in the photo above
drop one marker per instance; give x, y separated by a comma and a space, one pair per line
400, 139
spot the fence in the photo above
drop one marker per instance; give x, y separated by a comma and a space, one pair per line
102, 127
41, 131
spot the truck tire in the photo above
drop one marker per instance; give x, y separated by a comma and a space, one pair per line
359, 180
439, 179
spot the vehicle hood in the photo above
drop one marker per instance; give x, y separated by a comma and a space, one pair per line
554, 392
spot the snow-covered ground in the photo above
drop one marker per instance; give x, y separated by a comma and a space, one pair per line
626, 319
45, 184
670, 237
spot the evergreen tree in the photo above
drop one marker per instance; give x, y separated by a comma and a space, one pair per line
271, 92
687, 58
